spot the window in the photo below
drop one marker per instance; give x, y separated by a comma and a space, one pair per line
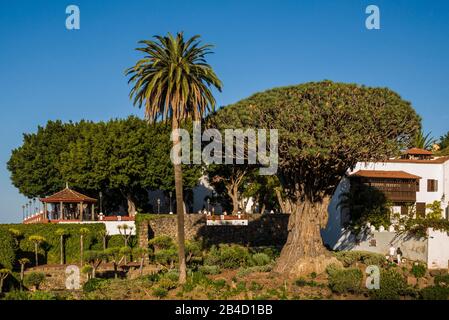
420, 209
432, 185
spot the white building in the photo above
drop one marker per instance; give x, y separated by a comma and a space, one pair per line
417, 178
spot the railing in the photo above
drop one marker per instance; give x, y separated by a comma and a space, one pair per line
37, 218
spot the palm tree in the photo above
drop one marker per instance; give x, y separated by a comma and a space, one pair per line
423, 141
61, 233
173, 82
83, 232
37, 241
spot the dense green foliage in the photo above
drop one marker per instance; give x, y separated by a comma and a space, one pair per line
123, 158
33, 279
326, 128
435, 293
49, 251
344, 280
7, 249
419, 270
350, 258
392, 285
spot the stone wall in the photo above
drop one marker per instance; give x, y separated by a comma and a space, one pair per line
262, 230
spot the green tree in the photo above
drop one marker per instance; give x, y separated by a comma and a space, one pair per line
141, 253
104, 235
172, 81
35, 165
23, 262
4, 273
62, 233
37, 241
94, 258
114, 256
324, 129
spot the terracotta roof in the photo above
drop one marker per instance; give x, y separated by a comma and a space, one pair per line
438, 160
385, 174
68, 195
417, 151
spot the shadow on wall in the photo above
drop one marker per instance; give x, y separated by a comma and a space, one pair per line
262, 230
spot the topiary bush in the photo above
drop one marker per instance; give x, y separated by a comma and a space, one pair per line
42, 295
159, 292
344, 280
166, 257
162, 242
392, 286
34, 279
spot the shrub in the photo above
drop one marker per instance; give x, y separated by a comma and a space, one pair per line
245, 271
42, 295
228, 256
93, 284
162, 242
349, 258
260, 259
392, 285
34, 279
167, 283
435, 293
419, 270
193, 252
17, 295
442, 280
7, 252
159, 292
166, 257
209, 269
344, 280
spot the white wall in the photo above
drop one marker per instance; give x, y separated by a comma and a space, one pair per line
438, 254
424, 170
111, 226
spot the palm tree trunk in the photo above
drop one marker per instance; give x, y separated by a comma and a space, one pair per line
179, 209
36, 257
81, 250
61, 240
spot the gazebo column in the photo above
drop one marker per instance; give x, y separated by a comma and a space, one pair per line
61, 211
81, 211
93, 212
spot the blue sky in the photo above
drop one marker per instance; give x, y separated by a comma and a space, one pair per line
48, 72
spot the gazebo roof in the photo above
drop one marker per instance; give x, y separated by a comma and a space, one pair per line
68, 195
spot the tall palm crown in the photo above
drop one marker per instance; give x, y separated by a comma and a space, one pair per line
173, 80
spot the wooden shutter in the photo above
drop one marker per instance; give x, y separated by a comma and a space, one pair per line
432, 185
420, 209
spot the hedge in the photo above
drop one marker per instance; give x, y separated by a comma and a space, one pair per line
50, 251
7, 249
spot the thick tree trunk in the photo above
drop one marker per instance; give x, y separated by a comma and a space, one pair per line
179, 210
233, 194
304, 251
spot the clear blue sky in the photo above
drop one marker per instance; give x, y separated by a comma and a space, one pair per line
48, 72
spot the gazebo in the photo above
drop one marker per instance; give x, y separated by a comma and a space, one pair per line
69, 205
